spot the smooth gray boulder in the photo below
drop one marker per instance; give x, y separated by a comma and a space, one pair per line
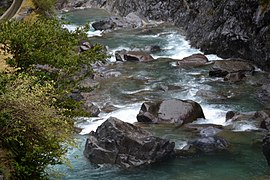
170, 111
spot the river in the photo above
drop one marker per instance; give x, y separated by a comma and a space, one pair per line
141, 82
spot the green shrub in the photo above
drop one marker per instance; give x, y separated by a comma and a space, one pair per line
34, 133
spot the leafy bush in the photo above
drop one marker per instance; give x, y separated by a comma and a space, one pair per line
35, 123
45, 42
34, 133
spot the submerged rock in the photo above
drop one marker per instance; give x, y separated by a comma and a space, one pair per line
210, 144
123, 144
170, 111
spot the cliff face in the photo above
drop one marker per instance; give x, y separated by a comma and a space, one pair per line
228, 28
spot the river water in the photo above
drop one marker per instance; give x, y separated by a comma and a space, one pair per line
141, 82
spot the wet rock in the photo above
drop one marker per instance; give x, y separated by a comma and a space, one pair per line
107, 74
88, 84
200, 127
124, 55
266, 148
243, 116
152, 49
224, 67
195, 60
188, 150
264, 118
91, 108
76, 95
138, 56
123, 144
106, 24
210, 144
263, 94
230, 115
169, 87
265, 124
210, 95
234, 77
209, 131
112, 23
170, 111
109, 108
119, 55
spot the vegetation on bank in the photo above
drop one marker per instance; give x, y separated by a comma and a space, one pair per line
36, 122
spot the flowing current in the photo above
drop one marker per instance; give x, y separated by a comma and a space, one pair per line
141, 82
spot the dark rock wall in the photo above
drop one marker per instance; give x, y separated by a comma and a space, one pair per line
228, 28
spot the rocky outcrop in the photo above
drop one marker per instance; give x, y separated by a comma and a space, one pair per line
170, 111
123, 144
228, 28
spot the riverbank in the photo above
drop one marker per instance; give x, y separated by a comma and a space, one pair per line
238, 29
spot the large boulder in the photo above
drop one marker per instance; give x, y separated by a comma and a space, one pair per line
170, 111
224, 67
123, 144
195, 60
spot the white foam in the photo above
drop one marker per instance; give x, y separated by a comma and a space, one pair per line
244, 126
126, 114
178, 48
90, 33
213, 116
137, 91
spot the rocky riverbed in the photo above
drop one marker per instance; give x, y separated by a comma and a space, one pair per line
213, 110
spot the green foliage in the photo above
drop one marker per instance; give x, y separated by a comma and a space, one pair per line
46, 42
45, 6
35, 123
33, 131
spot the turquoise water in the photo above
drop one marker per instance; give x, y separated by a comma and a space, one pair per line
140, 82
